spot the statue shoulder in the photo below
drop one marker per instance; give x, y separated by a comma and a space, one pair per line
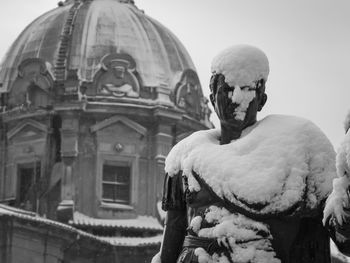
298, 129
178, 153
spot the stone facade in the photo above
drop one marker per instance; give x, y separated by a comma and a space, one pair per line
25, 237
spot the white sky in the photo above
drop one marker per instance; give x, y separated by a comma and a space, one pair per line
306, 41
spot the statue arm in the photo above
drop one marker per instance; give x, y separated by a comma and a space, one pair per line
176, 219
340, 233
173, 237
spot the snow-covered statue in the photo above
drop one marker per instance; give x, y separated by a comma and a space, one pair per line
251, 191
337, 210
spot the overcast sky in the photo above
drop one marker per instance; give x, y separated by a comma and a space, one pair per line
306, 41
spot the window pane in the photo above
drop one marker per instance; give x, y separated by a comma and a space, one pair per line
109, 173
124, 175
123, 193
37, 171
26, 176
116, 184
109, 191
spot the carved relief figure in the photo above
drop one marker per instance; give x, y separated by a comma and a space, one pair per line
33, 84
187, 93
117, 76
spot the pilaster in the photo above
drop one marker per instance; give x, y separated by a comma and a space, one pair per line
69, 153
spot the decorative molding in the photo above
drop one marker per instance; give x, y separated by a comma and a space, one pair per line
164, 135
162, 112
160, 158
163, 95
118, 147
32, 123
105, 123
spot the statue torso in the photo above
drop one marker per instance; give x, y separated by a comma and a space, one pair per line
292, 239
273, 183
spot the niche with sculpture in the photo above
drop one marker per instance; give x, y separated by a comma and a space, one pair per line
32, 86
117, 77
189, 96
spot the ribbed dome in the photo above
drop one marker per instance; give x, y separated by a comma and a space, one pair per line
100, 51
98, 28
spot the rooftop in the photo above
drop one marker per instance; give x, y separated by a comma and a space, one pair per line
141, 222
15, 213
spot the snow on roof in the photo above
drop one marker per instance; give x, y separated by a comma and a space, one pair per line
271, 166
141, 222
242, 65
34, 217
4, 209
115, 241
31, 216
133, 241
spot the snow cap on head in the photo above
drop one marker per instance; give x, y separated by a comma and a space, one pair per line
242, 65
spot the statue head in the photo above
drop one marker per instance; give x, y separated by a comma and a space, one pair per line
238, 85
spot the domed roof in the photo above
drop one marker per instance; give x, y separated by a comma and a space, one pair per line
100, 51
96, 28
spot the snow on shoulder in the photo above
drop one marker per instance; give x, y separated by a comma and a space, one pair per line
241, 65
278, 163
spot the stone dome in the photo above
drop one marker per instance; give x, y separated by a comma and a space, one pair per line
103, 49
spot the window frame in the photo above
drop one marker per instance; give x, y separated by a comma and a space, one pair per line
26, 163
115, 183
118, 160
